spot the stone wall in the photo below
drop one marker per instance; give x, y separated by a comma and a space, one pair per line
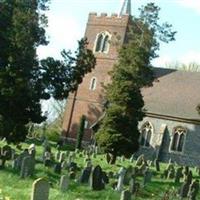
191, 148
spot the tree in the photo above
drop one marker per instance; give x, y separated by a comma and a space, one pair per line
24, 80
118, 133
191, 67
80, 132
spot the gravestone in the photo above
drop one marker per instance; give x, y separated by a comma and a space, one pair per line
142, 169
64, 164
189, 177
132, 185
147, 176
110, 174
72, 173
157, 165
186, 185
40, 190
62, 157
125, 195
183, 192
105, 177
64, 183
57, 168
139, 160
88, 163
120, 182
96, 179
185, 172
171, 173
122, 158
165, 174
5, 154
47, 159
193, 190
57, 155
128, 175
32, 150
132, 158
178, 175
85, 175
27, 167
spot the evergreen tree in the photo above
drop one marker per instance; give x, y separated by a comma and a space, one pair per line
80, 132
24, 81
118, 133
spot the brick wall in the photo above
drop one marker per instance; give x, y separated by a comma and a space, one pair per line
89, 102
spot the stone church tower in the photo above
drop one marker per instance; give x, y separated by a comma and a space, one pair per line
105, 34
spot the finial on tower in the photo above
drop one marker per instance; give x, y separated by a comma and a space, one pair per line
126, 8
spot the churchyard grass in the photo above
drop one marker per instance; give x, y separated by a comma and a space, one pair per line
17, 188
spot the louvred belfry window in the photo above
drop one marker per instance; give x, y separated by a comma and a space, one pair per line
102, 42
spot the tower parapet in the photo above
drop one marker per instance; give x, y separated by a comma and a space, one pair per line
106, 20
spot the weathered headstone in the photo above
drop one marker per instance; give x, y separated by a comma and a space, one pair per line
105, 177
128, 175
57, 168
85, 175
147, 176
72, 173
5, 154
186, 185
171, 173
32, 150
28, 167
132, 158
64, 183
178, 174
139, 160
62, 157
120, 182
157, 164
125, 195
96, 179
40, 190
183, 192
132, 185
193, 190
57, 155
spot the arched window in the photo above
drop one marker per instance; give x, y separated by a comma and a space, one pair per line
146, 133
105, 44
102, 42
99, 43
93, 83
178, 139
175, 141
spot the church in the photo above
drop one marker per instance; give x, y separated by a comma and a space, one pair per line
170, 129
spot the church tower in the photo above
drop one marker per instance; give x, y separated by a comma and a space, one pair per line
105, 35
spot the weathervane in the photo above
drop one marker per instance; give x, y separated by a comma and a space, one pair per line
126, 8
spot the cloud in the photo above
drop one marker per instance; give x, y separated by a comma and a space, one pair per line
192, 4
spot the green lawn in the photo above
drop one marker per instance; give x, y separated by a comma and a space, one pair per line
20, 189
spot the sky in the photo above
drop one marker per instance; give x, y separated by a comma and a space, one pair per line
68, 18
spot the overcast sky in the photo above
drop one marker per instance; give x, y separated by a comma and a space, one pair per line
68, 18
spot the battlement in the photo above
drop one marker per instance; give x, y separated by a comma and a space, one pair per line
104, 19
